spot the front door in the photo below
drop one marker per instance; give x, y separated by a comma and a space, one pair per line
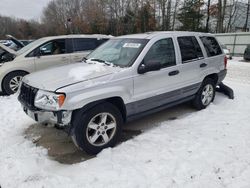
153, 89
52, 53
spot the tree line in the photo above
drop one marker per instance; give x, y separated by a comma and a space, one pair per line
118, 17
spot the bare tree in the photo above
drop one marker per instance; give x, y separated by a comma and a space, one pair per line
208, 15
246, 23
168, 16
175, 13
221, 14
231, 16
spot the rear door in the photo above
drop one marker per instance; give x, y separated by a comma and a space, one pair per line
83, 46
52, 53
193, 63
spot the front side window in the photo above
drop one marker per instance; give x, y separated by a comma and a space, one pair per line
54, 47
162, 51
30, 46
211, 45
190, 49
120, 52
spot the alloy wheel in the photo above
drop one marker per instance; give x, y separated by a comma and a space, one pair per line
14, 83
207, 94
101, 129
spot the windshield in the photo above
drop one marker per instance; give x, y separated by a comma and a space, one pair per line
30, 45
120, 52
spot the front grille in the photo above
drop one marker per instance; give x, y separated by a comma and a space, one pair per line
27, 96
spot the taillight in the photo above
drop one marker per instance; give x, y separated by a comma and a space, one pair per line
225, 62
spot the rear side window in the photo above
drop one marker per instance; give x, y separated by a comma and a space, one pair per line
211, 45
190, 49
100, 41
84, 44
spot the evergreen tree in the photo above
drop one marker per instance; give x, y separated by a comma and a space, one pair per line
190, 15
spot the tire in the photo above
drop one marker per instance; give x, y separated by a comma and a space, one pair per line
205, 95
97, 128
12, 81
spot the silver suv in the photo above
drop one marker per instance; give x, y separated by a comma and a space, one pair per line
125, 78
41, 54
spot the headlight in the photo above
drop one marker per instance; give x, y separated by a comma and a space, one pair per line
49, 100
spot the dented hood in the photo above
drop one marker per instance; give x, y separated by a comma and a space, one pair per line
58, 77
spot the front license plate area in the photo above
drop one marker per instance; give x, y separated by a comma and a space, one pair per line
30, 113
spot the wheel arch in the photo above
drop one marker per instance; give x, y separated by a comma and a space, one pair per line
214, 77
116, 101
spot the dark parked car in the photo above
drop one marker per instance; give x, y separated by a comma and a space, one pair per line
15, 43
6, 54
247, 53
26, 42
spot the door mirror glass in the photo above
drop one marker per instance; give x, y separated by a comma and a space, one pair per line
149, 66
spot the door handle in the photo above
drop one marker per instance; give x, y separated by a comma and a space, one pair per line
203, 65
172, 73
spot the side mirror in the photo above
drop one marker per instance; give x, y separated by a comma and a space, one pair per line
149, 66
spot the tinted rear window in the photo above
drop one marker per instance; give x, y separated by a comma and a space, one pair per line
190, 48
211, 45
86, 44
100, 41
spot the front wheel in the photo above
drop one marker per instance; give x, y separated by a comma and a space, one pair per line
11, 82
97, 128
205, 94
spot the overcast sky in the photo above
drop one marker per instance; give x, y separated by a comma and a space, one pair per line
26, 9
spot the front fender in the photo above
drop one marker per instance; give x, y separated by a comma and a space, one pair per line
80, 99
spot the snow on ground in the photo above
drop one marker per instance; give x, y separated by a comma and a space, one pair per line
209, 148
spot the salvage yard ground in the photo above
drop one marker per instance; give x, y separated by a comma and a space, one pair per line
178, 147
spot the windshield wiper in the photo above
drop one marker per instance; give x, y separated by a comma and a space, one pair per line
100, 60
84, 59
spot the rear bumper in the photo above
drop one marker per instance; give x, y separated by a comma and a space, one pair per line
221, 75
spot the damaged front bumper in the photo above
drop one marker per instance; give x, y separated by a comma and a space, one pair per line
62, 118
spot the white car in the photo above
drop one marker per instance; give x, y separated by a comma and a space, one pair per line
41, 54
125, 78
226, 51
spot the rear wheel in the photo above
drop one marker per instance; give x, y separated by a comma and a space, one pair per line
11, 82
97, 128
205, 94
